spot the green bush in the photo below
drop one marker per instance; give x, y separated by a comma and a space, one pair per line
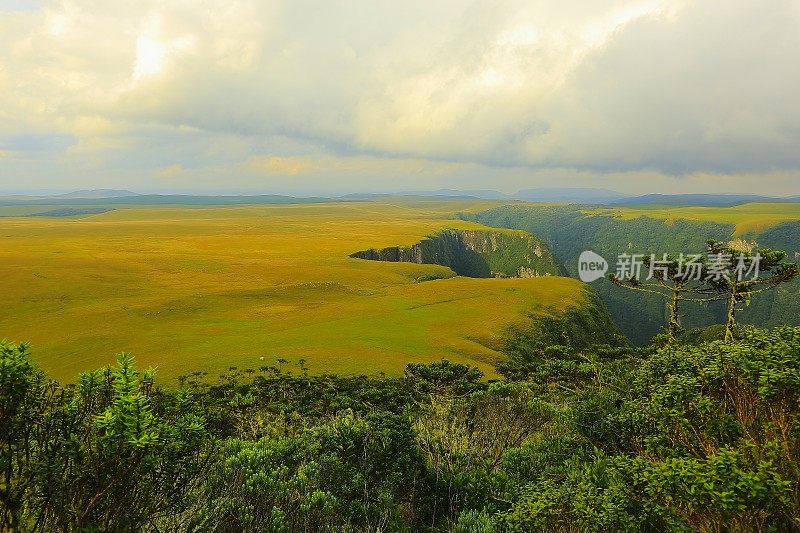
705, 438
701, 437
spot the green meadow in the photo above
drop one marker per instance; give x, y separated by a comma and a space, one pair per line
206, 288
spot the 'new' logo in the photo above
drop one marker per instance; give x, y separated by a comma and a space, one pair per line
591, 266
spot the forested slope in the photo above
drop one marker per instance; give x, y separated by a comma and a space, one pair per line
571, 229
475, 253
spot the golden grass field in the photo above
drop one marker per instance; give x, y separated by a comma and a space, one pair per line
747, 218
196, 288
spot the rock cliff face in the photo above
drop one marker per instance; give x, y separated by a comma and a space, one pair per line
476, 254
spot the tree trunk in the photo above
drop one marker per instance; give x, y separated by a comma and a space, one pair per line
730, 323
674, 326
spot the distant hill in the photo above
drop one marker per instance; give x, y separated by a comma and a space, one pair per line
486, 194
569, 195
586, 195
716, 200
542, 194
390, 195
162, 199
447, 193
97, 193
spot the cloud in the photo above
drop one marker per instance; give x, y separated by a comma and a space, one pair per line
170, 171
498, 94
709, 88
35, 142
282, 166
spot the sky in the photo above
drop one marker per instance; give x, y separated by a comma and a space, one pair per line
323, 97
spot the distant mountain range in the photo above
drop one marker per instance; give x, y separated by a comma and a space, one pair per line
448, 193
591, 196
588, 196
717, 200
569, 195
544, 194
82, 198
98, 193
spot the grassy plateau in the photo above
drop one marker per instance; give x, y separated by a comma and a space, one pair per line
749, 218
204, 288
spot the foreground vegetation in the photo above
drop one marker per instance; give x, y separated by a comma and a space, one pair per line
599, 438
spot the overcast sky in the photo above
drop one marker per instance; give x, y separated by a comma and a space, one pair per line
338, 96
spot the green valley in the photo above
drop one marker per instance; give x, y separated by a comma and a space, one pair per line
610, 231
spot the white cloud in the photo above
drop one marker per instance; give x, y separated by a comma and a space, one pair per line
607, 91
